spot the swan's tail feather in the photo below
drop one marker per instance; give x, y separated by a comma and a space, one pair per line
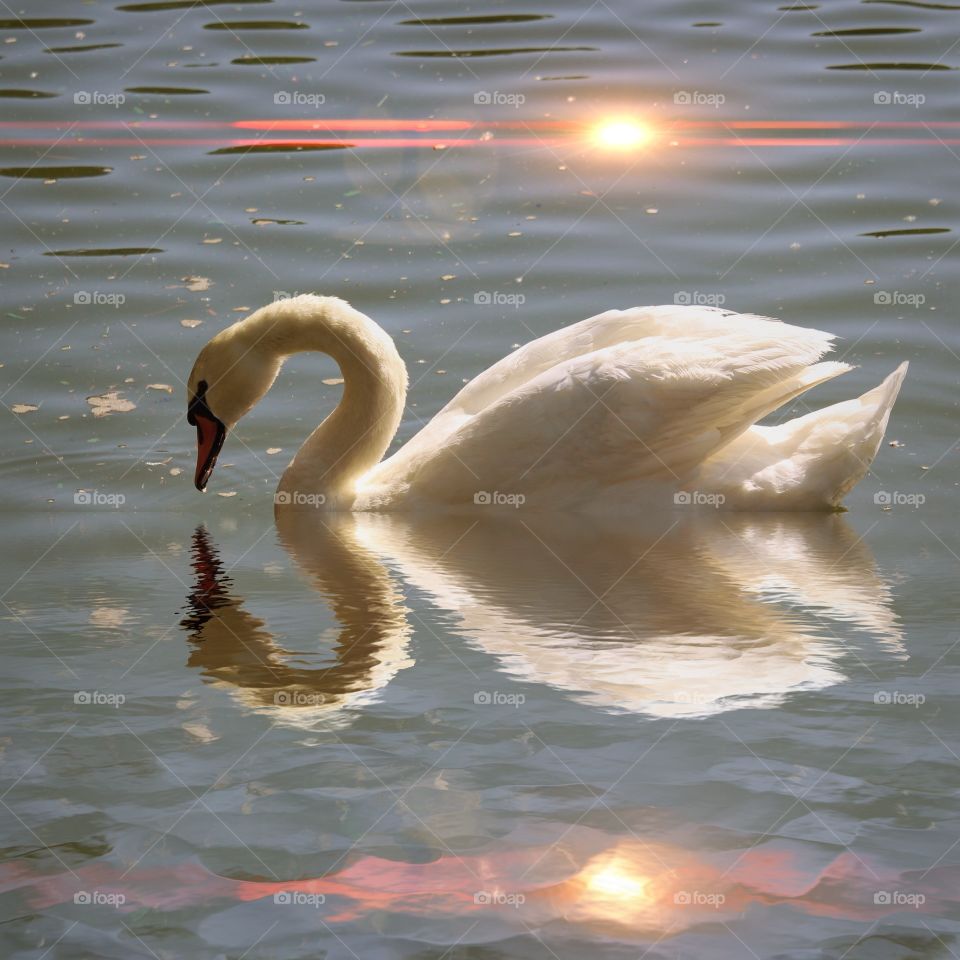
786, 390
807, 463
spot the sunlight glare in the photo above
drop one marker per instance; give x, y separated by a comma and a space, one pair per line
621, 134
615, 883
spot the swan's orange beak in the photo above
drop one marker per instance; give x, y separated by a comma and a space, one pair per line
211, 433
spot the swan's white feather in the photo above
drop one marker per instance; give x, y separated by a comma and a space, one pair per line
625, 404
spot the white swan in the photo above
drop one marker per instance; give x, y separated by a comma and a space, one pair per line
639, 408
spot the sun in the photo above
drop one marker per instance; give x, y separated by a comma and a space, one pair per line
621, 133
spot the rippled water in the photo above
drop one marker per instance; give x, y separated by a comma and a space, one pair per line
713, 736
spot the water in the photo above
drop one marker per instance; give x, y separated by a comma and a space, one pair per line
710, 736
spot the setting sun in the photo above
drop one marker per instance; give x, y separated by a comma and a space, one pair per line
621, 134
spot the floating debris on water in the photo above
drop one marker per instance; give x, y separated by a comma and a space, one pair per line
110, 402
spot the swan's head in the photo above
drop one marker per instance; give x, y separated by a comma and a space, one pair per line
230, 376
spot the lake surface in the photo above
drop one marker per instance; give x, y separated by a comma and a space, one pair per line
708, 736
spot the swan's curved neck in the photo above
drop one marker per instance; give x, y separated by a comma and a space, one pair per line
352, 439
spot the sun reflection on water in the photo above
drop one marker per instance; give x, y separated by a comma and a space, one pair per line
615, 886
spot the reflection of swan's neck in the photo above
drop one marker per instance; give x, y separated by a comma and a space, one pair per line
235, 649
355, 436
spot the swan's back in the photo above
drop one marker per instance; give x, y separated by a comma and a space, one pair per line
624, 406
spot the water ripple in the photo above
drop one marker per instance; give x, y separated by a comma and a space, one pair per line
503, 52
104, 252
54, 173
907, 232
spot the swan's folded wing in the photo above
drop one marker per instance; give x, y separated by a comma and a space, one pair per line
628, 396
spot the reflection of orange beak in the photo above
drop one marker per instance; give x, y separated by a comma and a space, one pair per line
210, 436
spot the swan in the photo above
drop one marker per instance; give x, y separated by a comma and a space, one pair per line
636, 409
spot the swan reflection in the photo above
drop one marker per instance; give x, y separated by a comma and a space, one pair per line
233, 648
685, 618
